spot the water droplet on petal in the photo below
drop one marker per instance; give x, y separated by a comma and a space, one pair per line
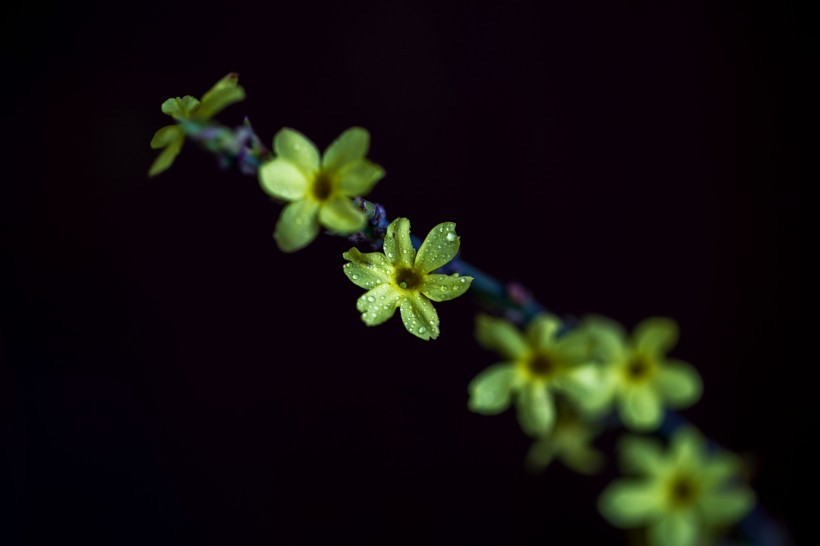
451, 236
422, 330
403, 284
371, 299
354, 276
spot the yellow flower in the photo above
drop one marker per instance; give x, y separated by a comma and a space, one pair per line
535, 365
569, 442
638, 376
683, 497
318, 189
171, 137
402, 278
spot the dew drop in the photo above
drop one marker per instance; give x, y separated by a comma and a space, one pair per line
422, 330
463, 280
451, 236
371, 299
354, 276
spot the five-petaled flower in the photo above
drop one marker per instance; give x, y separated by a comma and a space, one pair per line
683, 496
637, 375
535, 365
318, 188
403, 278
570, 442
171, 137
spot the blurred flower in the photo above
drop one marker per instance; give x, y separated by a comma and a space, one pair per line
171, 137
569, 441
638, 377
318, 189
401, 277
535, 365
684, 497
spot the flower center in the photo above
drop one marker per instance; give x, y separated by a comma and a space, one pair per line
407, 279
683, 491
638, 369
322, 187
541, 365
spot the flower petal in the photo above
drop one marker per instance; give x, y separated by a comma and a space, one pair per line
166, 157
628, 503
722, 466
500, 336
164, 136
541, 330
541, 454
655, 335
490, 390
397, 245
283, 180
679, 383
419, 316
367, 270
640, 455
218, 100
340, 215
727, 507
379, 304
536, 409
688, 447
297, 226
180, 108
439, 247
352, 145
298, 149
583, 459
358, 178
444, 287
641, 408
606, 337
676, 529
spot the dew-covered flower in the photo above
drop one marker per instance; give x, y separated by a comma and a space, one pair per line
638, 376
318, 189
403, 278
683, 497
537, 363
171, 137
570, 442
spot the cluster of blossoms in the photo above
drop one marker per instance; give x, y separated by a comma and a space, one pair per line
565, 382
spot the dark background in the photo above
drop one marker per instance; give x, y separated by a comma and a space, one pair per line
169, 377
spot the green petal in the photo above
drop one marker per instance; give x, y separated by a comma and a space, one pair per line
641, 455
606, 337
351, 146
627, 503
688, 447
283, 180
722, 466
419, 316
584, 382
367, 270
358, 178
641, 408
341, 216
536, 409
297, 226
378, 304
164, 136
439, 247
677, 529
218, 100
180, 108
679, 383
655, 335
397, 246
727, 507
491, 389
583, 459
166, 158
298, 149
500, 336
541, 330
444, 287
541, 454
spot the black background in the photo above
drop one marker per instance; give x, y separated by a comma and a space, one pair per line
169, 377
